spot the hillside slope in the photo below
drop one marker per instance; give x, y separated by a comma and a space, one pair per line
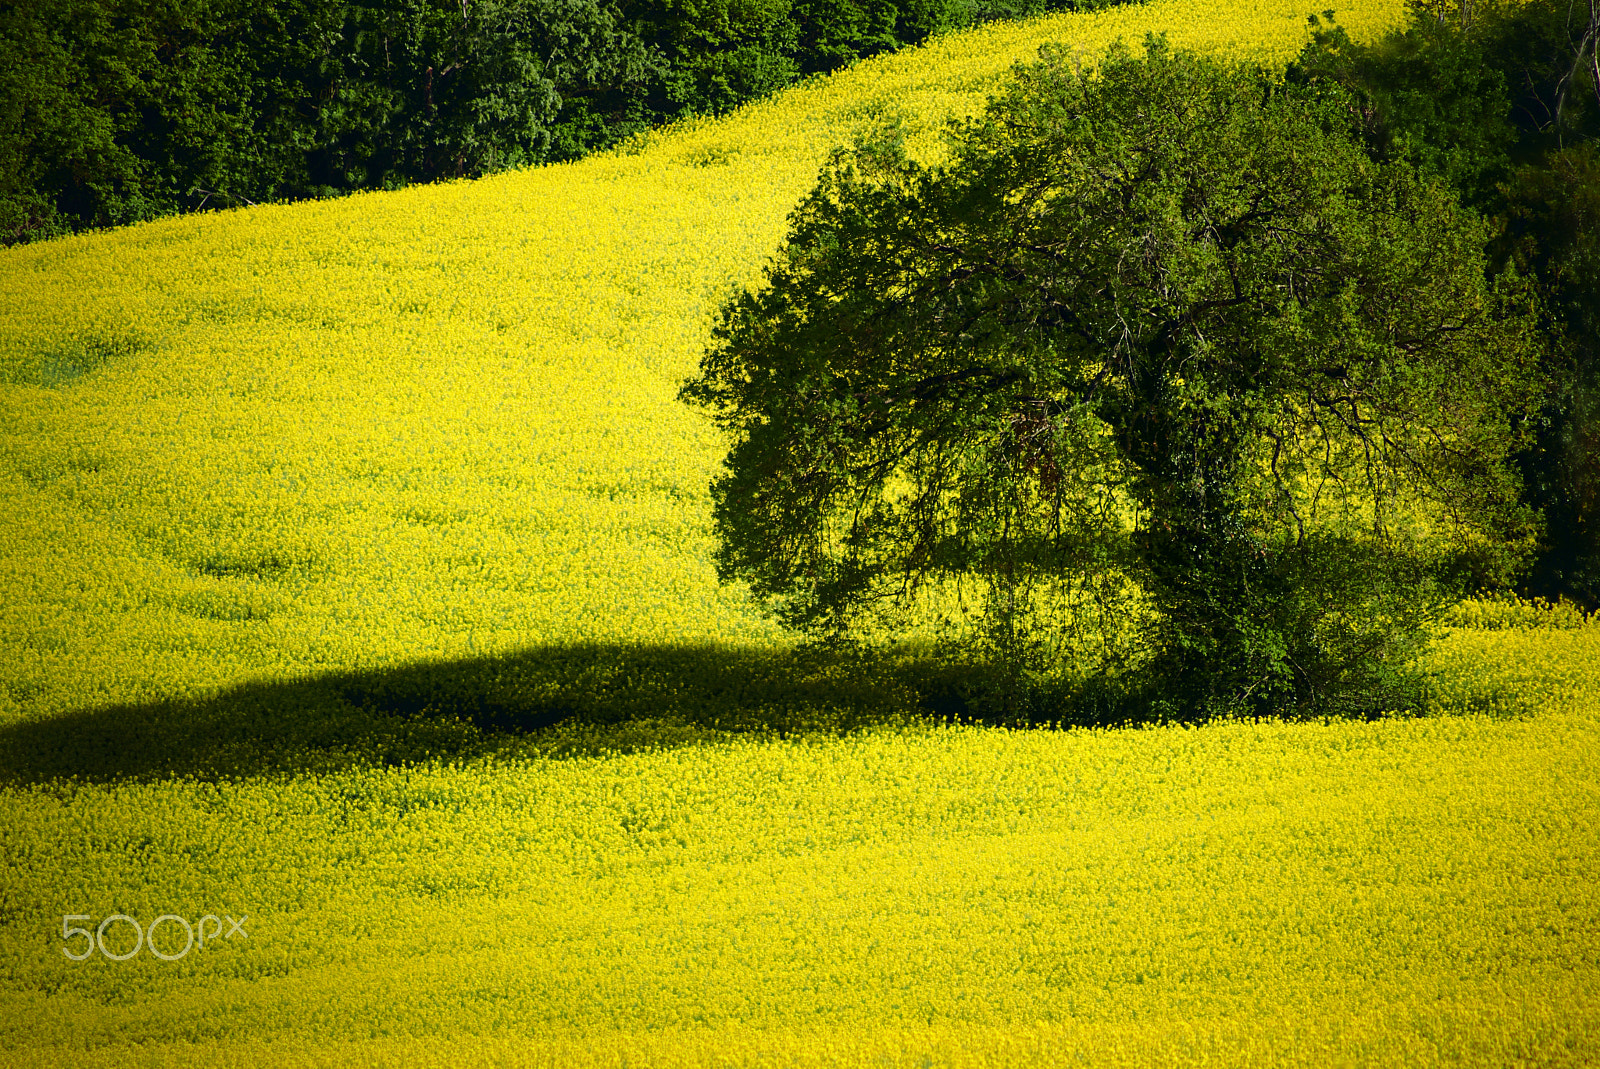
431, 423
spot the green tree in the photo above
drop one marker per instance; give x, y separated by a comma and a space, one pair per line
1169, 325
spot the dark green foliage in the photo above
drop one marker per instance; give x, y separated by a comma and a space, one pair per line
118, 111
1503, 102
1170, 327
1553, 232
78, 84
114, 111
465, 89
1428, 96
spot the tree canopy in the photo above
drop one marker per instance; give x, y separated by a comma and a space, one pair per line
1168, 328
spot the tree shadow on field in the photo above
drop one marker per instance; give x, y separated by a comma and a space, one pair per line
556, 701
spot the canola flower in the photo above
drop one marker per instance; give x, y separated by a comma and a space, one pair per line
355, 435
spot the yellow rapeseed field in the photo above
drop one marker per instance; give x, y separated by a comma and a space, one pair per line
298, 503
1418, 892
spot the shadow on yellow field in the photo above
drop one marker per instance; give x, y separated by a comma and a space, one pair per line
587, 699
556, 701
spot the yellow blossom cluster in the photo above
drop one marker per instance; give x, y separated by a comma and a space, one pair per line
1402, 892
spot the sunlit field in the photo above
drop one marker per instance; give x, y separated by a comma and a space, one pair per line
356, 594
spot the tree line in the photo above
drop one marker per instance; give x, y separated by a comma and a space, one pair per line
1252, 374
115, 111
